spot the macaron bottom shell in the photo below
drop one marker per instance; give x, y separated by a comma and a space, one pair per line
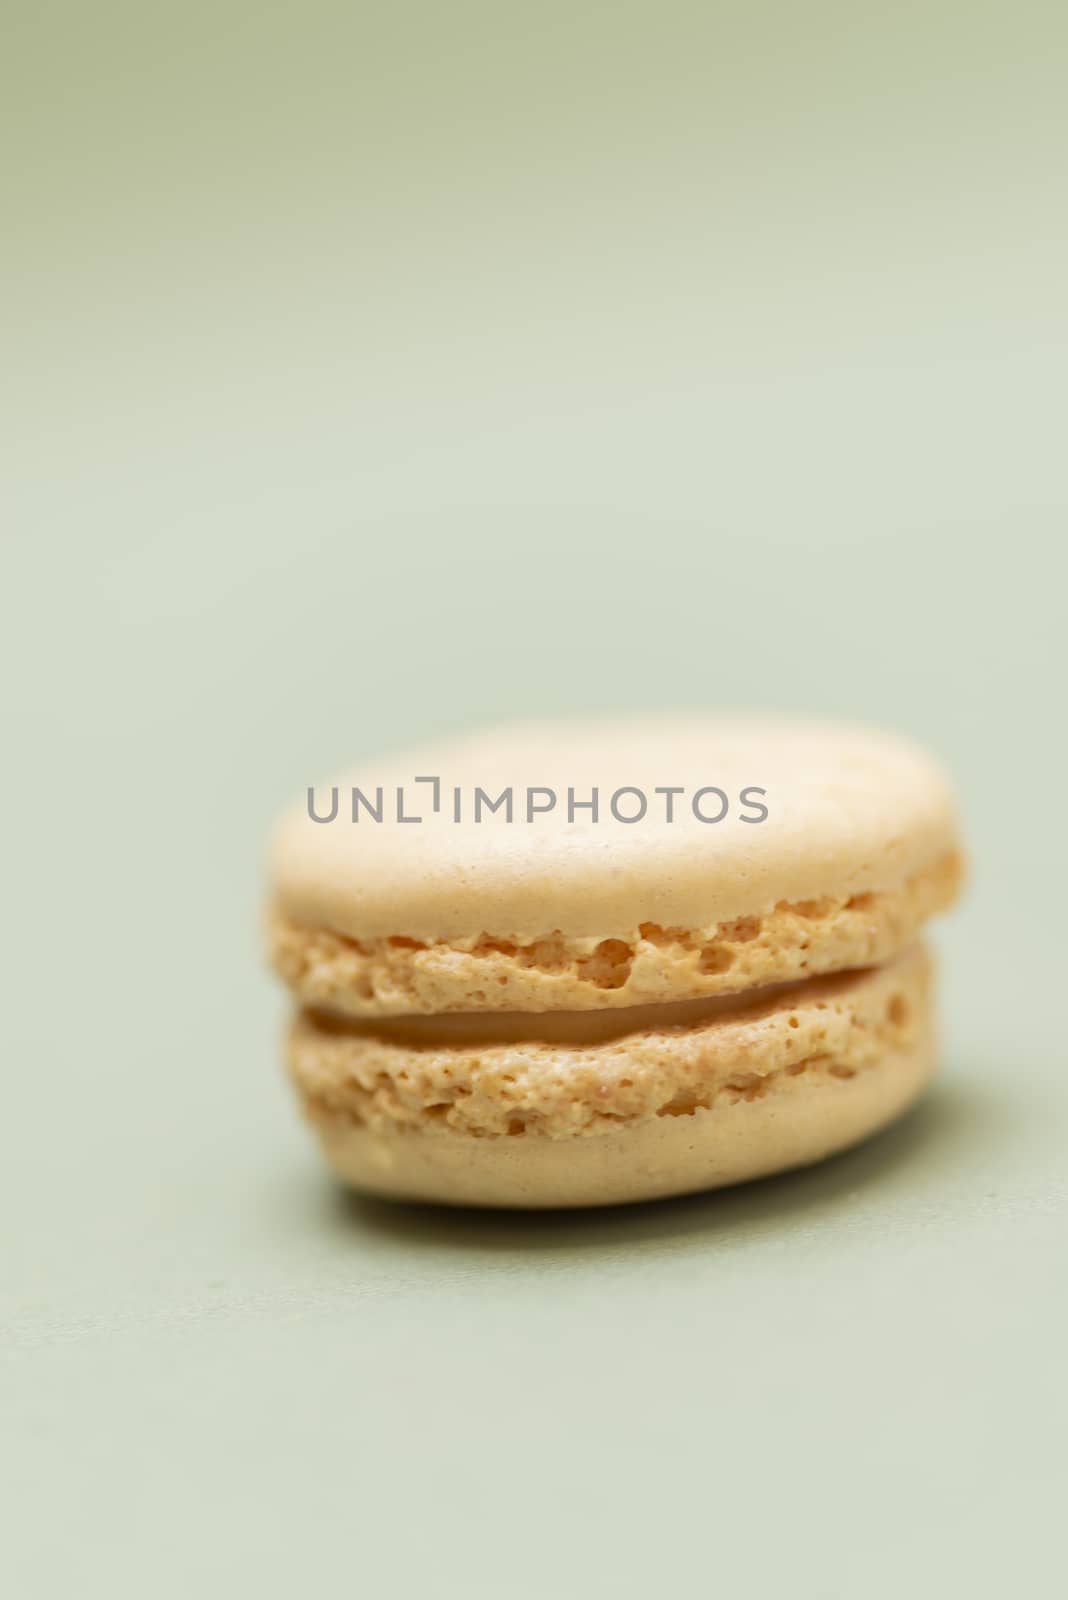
708, 1149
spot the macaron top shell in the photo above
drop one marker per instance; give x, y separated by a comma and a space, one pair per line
850, 809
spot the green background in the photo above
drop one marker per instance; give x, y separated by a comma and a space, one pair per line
374, 370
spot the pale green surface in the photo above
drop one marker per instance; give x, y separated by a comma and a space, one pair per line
379, 376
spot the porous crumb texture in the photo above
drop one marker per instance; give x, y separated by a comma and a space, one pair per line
791, 940
825, 1030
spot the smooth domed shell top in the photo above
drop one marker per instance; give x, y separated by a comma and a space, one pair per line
849, 809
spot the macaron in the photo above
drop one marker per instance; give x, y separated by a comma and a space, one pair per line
590, 963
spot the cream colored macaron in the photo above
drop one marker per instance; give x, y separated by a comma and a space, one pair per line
582, 964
